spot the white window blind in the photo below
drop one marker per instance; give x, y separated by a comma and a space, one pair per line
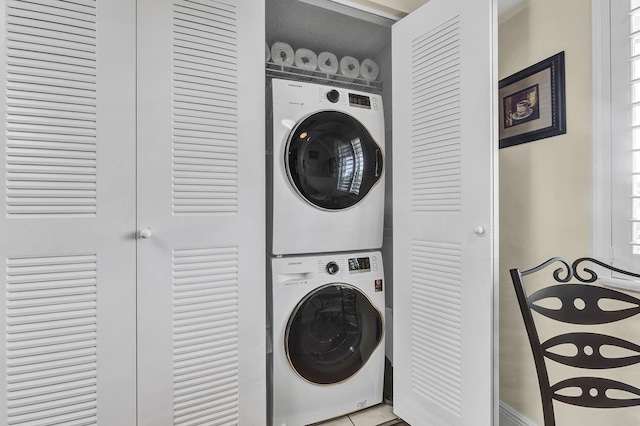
625, 133
633, 47
616, 132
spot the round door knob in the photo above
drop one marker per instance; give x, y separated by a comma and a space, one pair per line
478, 230
145, 233
333, 96
332, 268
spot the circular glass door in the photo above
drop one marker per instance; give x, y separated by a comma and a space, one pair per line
332, 333
332, 160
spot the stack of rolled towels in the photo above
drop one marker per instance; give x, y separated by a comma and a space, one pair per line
282, 53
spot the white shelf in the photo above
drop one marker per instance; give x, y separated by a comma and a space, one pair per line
298, 74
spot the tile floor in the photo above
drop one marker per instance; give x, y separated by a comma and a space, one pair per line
379, 415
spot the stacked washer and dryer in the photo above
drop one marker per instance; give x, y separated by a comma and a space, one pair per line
327, 286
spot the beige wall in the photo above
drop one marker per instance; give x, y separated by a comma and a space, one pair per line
545, 185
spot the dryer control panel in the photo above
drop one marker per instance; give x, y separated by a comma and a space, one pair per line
348, 98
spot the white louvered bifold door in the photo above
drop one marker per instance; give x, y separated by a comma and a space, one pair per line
67, 216
444, 146
201, 272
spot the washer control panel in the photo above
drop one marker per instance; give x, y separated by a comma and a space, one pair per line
351, 265
345, 97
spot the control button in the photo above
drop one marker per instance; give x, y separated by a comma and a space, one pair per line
333, 96
375, 266
332, 268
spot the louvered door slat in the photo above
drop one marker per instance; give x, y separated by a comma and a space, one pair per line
434, 377
85, 95
25, 80
200, 72
205, 283
33, 152
42, 10
59, 88
33, 66
221, 10
33, 359
34, 48
207, 15
214, 154
204, 87
53, 146
62, 30
51, 77
225, 47
191, 92
23, 26
436, 122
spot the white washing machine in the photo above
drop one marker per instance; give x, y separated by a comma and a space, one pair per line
327, 170
328, 336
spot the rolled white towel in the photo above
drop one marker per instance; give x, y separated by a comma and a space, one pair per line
282, 53
267, 53
306, 59
349, 67
328, 62
369, 70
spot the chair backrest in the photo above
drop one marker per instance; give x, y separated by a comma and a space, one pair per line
580, 306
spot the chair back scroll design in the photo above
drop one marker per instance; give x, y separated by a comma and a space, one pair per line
580, 305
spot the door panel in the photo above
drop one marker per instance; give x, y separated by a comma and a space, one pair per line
444, 242
201, 274
68, 213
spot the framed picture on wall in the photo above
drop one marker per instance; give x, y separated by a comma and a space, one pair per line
532, 103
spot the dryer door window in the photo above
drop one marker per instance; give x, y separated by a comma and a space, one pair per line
332, 160
332, 333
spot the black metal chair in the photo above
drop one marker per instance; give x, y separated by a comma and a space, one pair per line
579, 306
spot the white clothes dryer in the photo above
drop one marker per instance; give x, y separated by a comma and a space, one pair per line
327, 170
328, 336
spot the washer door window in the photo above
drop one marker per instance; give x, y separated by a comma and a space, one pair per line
332, 160
332, 333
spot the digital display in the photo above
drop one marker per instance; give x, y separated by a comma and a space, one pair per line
359, 264
359, 101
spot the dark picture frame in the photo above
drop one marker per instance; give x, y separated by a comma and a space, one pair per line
532, 103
